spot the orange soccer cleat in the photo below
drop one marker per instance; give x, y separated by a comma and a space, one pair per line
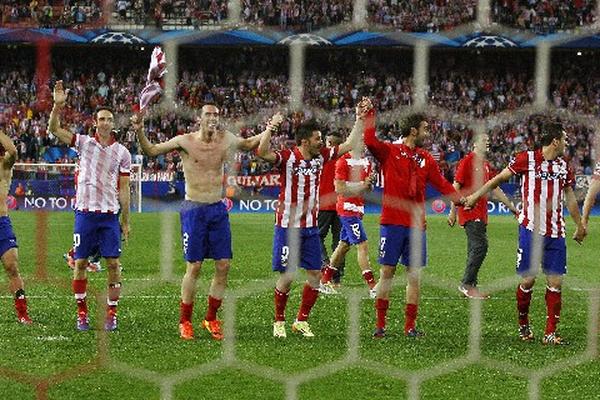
186, 330
214, 328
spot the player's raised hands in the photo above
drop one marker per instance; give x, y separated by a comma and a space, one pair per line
59, 95
137, 122
275, 122
363, 107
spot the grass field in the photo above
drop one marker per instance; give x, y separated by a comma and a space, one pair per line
470, 351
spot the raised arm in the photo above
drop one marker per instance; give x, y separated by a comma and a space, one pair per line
60, 99
264, 150
252, 143
571, 200
353, 141
10, 155
148, 147
492, 184
590, 199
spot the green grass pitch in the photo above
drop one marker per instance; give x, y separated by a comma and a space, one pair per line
145, 359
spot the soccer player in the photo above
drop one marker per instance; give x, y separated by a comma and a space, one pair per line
471, 173
8, 242
328, 218
590, 197
407, 168
545, 178
102, 195
205, 229
353, 179
296, 240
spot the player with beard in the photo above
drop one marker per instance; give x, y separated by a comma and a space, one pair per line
546, 178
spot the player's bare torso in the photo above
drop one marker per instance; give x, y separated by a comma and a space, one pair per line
203, 158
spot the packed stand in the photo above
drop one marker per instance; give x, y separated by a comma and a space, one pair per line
51, 13
421, 15
334, 81
544, 17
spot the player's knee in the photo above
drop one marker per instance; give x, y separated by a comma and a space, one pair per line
113, 264
193, 270
222, 267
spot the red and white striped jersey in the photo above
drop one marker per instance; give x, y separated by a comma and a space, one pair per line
354, 172
542, 191
299, 188
98, 174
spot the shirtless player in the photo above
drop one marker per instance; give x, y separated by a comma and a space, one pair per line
8, 241
204, 220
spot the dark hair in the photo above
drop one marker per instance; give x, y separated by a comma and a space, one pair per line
551, 130
103, 108
305, 130
409, 122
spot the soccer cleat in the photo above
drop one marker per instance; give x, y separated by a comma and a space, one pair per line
554, 339
186, 330
379, 333
110, 324
525, 333
279, 329
472, 292
214, 328
303, 328
21, 309
83, 323
414, 333
327, 288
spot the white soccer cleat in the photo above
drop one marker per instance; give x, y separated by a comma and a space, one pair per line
279, 329
303, 328
327, 288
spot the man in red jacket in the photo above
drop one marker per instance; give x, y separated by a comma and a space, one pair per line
407, 168
472, 172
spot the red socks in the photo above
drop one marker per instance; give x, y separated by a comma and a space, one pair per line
523, 301
213, 307
553, 306
79, 289
281, 299
381, 307
410, 313
185, 312
328, 272
309, 298
114, 293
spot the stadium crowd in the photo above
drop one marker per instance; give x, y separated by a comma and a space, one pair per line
334, 81
547, 16
296, 15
